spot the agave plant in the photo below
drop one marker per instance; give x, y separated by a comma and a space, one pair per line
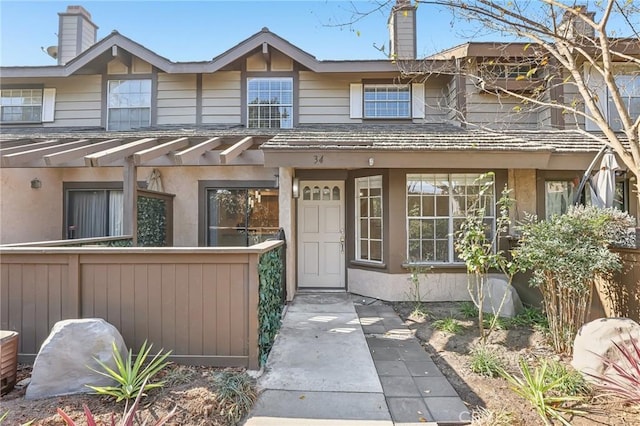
623, 378
132, 376
127, 418
542, 393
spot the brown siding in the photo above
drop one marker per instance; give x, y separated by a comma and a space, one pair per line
198, 303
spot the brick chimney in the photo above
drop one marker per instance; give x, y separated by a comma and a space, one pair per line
76, 33
402, 31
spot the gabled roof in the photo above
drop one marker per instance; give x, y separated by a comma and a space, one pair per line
258, 40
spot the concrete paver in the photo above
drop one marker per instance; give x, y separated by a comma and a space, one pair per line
320, 371
337, 364
415, 389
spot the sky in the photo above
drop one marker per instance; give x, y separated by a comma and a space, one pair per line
200, 30
183, 31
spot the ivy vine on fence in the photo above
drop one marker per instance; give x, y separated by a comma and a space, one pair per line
271, 302
152, 222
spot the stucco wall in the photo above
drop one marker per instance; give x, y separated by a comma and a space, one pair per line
434, 287
37, 214
28, 214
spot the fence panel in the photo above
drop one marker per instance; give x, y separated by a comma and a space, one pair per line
200, 303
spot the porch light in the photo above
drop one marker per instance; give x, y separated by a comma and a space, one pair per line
36, 183
371, 161
295, 188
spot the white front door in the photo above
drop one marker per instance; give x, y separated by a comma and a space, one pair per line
321, 250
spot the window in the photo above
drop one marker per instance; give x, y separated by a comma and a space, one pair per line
560, 194
387, 101
241, 217
629, 86
21, 105
94, 213
270, 103
437, 204
521, 70
129, 104
369, 217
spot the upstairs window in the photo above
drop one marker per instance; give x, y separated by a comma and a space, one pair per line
387, 101
629, 86
270, 103
21, 105
128, 104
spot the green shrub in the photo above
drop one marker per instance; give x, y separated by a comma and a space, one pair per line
476, 245
448, 325
468, 310
542, 392
485, 362
235, 393
496, 323
565, 255
529, 317
132, 376
570, 382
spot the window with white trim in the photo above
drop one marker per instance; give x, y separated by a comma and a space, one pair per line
270, 103
21, 105
369, 218
629, 87
128, 104
437, 204
387, 101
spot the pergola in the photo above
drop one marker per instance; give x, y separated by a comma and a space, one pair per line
130, 150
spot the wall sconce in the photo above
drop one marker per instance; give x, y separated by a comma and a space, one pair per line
371, 161
295, 188
276, 184
35, 183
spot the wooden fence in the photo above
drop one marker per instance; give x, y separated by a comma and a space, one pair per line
200, 303
621, 297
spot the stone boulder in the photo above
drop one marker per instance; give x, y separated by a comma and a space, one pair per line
62, 365
595, 340
494, 291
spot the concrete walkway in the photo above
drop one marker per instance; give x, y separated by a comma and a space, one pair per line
323, 371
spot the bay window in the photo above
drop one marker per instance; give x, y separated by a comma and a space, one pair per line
437, 204
369, 218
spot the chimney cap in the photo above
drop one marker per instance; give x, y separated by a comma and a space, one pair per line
78, 10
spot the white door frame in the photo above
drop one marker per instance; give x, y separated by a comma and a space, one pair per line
321, 235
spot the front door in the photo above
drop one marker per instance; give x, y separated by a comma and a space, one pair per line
321, 250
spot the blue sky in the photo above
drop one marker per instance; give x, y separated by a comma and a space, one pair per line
200, 30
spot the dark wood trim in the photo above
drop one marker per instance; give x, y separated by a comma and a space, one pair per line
198, 99
204, 185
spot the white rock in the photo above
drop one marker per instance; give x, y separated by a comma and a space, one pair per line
494, 291
595, 340
62, 365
